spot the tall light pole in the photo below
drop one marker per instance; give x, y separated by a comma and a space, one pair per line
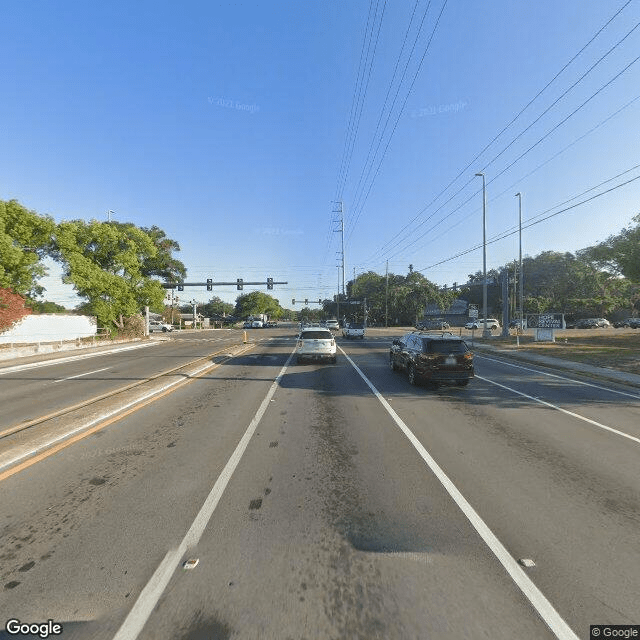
486, 332
520, 277
109, 215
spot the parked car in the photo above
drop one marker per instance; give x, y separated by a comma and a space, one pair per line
159, 326
435, 358
247, 324
316, 343
632, 323
588, 323
433, 323
257, 324
353, 330
492, 324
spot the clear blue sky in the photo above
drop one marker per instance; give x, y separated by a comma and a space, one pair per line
224, 123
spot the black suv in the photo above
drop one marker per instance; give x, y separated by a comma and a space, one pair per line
433, 358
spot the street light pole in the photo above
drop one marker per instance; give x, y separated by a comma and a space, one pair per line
109, 215
486, 332
520, 276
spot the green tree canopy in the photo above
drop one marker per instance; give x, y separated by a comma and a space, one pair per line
104, 263
25, 238
618, 254
163, 265
257, 302
216, 307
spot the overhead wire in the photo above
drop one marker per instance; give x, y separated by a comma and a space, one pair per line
511, 164
369, 159
529, 223
512, 121
357, 217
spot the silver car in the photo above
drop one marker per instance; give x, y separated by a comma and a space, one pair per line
316, 343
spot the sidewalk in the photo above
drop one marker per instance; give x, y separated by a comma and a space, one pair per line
522, 355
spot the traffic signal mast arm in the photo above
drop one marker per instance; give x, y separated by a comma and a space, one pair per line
175, 285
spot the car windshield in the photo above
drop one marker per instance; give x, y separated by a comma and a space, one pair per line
316, 335
444, 346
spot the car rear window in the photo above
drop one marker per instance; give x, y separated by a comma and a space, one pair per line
445, 346
316, 335
356, 326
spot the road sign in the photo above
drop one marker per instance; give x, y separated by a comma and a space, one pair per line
545, 321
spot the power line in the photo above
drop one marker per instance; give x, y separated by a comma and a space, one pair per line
494, 178
500, 133
527, 226
395, 70
357, 105
398, 119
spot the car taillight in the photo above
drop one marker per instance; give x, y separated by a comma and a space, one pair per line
468, 356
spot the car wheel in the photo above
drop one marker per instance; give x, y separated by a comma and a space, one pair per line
361, 337
462, 383
164, 329
411, 374
334, 360
392, 364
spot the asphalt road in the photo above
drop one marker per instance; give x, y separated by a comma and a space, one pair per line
318, 509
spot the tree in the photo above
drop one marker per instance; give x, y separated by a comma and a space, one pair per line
216, 307
256, 302
104, 263
12, 308
618, 254
163, 265
45, 307
25, 239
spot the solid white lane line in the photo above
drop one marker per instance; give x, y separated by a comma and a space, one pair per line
100, 418
48, 363
153, 590
564, 378
544, 608
88, 373
565, 411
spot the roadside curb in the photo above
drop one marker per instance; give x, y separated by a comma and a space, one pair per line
612, 375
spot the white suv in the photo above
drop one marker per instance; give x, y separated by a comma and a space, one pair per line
492, 323
316, 343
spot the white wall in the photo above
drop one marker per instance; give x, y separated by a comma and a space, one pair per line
49, 327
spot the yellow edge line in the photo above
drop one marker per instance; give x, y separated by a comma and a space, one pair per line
25, 425
67, 443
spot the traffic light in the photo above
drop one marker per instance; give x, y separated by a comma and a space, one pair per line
306, 300
209, 284
319, 301
269, 283
293, 301
239, 284
180, 287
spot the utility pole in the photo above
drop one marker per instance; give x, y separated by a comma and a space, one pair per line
340, 230
386, 296
520, 275
338, 298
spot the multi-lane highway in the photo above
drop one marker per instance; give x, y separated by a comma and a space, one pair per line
319, 500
